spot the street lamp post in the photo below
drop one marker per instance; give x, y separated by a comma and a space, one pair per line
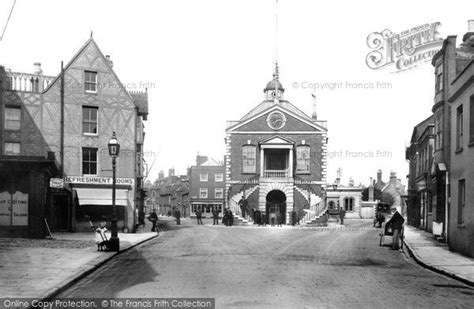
114, 150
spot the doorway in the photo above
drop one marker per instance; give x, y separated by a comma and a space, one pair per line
275, 204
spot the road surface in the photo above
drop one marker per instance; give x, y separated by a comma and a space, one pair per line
274, 267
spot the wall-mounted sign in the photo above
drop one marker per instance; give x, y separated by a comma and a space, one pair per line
13, 209
93, 180
56, 183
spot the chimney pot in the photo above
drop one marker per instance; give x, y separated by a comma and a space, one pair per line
109, 61
37, 68
470, 24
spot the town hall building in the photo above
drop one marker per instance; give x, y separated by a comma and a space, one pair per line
276, 158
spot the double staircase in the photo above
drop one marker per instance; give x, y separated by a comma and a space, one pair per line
316, 214
235, 208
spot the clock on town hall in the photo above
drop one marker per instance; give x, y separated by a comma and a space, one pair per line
276, 120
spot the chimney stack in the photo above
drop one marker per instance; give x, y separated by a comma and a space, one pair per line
393, 177
200, 159
109, 61
315, 115
379, 176
37, 68
469, 36
171, 172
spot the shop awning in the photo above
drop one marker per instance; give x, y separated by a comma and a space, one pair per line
101, 196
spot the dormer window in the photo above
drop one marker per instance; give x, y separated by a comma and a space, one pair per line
91, 81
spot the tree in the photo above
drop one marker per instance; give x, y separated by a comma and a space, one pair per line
378, 195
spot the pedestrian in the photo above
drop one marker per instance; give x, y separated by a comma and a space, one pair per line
100, 237
264, 220
215, 216
294, 217
396, 224
231, 217
199, 216
279, 219
380, 219
225, 218
177, 215
257, 217
243, 207
342, 214
153, 218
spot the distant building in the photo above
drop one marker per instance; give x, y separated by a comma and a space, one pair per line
420, 183
59, 127
170, 193
276, 157
207, 185
395, 188
347, 197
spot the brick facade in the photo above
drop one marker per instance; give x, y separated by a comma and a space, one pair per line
275, 183
206, 204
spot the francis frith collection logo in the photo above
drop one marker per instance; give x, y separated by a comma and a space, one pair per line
405, 50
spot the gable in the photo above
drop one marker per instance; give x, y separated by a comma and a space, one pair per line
90, 58
292, 124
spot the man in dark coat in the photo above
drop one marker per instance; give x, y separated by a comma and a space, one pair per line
177, 215
215, 216
257, 218
396, 223
153, 218
243, 206
342, 214
231, 217
263, 220
199, 216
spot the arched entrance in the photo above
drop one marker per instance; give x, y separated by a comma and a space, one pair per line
276, 203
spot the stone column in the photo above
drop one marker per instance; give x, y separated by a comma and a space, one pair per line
291, 163
261, 162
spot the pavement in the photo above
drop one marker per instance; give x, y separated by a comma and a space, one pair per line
435, 255
42, 268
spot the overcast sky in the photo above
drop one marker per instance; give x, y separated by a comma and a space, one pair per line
206, 62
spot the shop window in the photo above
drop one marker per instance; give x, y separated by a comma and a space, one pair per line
89, 161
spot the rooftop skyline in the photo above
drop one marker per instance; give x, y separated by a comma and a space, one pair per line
208, 64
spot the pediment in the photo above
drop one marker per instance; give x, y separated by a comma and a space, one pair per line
277, 140
259, 122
